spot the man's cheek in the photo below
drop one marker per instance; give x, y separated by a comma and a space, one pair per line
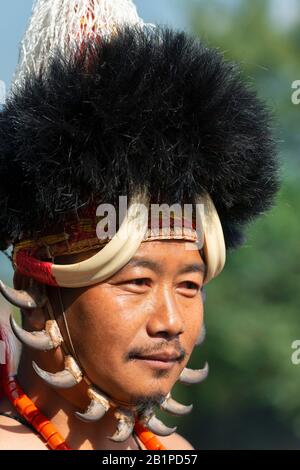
194, 323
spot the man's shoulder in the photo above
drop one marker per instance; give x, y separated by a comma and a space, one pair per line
16, 436
176, 442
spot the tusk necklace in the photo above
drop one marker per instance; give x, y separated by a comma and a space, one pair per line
29, 411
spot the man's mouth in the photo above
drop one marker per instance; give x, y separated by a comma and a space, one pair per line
159, 360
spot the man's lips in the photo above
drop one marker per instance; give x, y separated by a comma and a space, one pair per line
163, 357
160, 360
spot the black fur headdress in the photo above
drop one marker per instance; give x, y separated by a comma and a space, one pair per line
152, 108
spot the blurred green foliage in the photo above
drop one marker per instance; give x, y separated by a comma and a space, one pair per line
252, 313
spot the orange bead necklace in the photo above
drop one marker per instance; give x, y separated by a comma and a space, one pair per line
28, 410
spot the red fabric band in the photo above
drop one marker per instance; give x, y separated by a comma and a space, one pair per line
41, 271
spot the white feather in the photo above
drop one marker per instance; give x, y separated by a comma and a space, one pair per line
59, 24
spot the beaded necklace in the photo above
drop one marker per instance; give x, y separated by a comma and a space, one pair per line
28, 410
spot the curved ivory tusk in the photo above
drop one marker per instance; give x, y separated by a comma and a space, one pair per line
98, 407
29, 299
94, 412
214, 243
201, 336
174, 408
191, 376
45, 340
116, 254
125, 425
158, 427
67, 378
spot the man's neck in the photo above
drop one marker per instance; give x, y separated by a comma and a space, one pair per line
59, 408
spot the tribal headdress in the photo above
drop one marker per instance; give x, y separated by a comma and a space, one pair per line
104, 105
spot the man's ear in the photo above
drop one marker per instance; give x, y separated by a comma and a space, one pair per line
34, 319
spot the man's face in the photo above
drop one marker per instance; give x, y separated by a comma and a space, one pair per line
135, 332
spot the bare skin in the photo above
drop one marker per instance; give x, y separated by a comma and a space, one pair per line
142, 309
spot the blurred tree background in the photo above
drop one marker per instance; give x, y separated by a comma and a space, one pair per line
251, 399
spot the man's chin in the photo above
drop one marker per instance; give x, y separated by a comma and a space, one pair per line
140, 398
138, 389
144, 402
145, 390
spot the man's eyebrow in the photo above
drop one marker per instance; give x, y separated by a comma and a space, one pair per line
192, 267
158, 268
145, 263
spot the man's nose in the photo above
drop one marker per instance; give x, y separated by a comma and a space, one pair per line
166, 319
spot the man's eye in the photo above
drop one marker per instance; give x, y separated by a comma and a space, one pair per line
138, 282
190, 285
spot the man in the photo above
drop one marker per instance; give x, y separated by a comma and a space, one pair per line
141, 326
105, 106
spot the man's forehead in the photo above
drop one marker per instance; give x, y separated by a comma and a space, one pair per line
159, 255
